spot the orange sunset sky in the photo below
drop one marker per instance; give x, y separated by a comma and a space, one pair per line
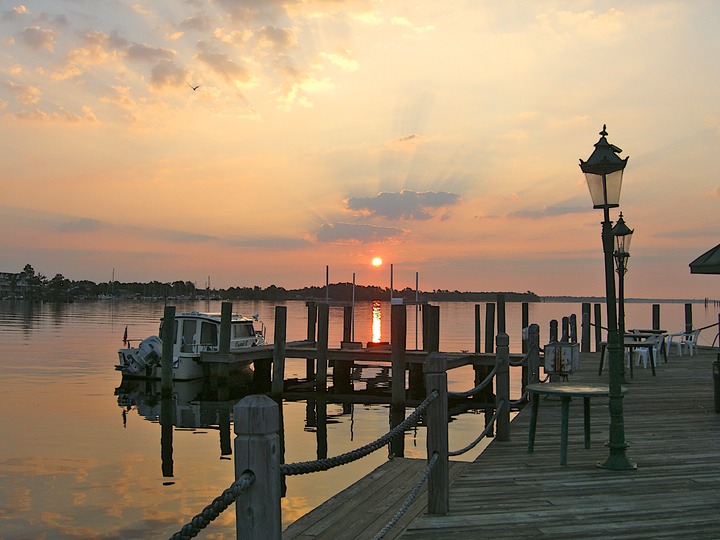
443, 137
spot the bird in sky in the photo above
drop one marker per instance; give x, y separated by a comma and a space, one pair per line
193, 87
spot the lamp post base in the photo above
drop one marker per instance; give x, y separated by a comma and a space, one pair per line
617, 460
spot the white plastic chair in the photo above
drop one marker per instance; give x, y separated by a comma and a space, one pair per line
643, 353
682, 340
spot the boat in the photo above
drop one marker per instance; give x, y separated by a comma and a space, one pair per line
195, 333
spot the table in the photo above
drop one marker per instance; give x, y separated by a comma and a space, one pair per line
632, 344
566, 391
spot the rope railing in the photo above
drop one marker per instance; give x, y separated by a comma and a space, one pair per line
522, 399
306, 467
215, 508
483, 384
521, 362
410, 499
483, 434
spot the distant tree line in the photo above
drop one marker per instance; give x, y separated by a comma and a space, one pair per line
30, 285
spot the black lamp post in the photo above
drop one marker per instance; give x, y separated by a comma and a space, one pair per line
603, 172
622, 234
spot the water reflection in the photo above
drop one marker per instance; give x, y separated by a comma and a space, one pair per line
376, 322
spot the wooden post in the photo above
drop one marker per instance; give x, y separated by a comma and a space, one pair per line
279, 345
534, 353
166, 435
500, 313
347, 323
502, 385
322, 347
688, 318
598, 326
565, 330
398, 345
524, 324
656, 316
321, 432
585, 330
437, 435
573, 328
553, 331
224, 428
168, 340
311, 329
477, 329
489, 327
257, 449
223, 368
225, 323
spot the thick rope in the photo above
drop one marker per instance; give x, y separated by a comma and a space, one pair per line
482, 435
305, 467
522, 399
516, 363
411, 498
473, 391
215, 508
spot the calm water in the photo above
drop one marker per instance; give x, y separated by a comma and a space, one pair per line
81, 455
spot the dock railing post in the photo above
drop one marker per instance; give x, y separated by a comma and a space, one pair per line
398, 345
322, 347
533, 354
168, 338
598, 325
257, 449
502, 384
489, 327
656, 316
311, 336
279, 346
437, 435
585, 328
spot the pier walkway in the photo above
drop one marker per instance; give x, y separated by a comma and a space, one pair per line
674, 437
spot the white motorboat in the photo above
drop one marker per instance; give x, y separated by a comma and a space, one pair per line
195, 333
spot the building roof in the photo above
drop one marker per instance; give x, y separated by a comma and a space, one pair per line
707, 263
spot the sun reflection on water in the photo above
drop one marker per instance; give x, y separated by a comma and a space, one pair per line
376, 322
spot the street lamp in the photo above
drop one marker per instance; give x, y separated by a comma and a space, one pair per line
622, 235
603, 172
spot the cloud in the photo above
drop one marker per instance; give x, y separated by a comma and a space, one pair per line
138, 51
356, 233
198, 22
26, 94
97, 48
81, 225
404, 205
167, 73
223, 65
277, 39
38, 38
548, 211
15, 13
342, 58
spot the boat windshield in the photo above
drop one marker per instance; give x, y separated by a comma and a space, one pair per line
242, 330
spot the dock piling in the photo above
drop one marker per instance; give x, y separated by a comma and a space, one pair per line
278, 379
257, 449
437, 435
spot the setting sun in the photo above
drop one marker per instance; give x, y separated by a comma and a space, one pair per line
377, 261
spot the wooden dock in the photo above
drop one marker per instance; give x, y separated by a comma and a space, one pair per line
674, 437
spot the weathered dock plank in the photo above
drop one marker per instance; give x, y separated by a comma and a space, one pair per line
674, 436
363, 509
